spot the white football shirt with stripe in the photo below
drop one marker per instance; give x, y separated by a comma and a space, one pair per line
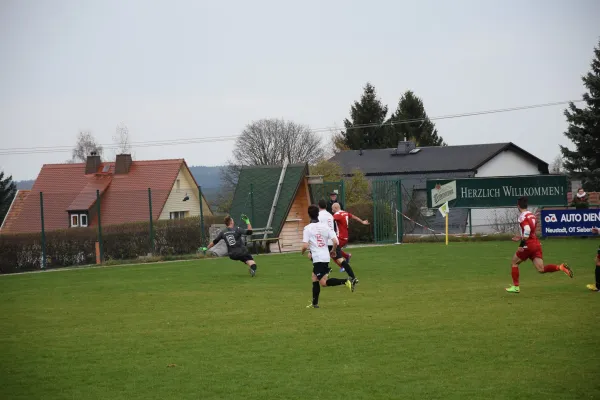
327, 219
317, 234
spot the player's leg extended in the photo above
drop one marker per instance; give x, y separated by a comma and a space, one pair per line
343, 244
353, 281
252, 266
345, 265
316, 289
341, 261
544, 269
335, 260
339, 264
597, 274
596, 287
516, 260
327, 281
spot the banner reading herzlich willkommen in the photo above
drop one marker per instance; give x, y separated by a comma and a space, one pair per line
542, 190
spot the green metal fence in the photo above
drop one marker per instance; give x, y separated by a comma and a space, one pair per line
320, 191
387, 200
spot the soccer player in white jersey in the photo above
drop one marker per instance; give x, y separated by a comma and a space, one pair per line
315, 238
326, 218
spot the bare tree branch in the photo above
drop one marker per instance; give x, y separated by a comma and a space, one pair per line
556, 167
271, 141
86, 144
122, 140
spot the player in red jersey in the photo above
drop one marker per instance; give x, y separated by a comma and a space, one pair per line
341, 219
530, 248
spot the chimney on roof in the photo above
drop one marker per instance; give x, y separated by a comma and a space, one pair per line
123, 163
93, 163
404, 147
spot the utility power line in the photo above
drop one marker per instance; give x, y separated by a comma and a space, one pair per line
173, 142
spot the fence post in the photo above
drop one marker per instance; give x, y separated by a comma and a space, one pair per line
99, 226
201, 217
343, 196
375, 226
151, 222
400, 224
43, 231
470, 223
540, 226
252, 201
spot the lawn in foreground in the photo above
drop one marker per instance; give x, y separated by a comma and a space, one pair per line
426, 322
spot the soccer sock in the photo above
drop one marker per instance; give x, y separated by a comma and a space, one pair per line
515, 275
316, 291
597, 277
551, 268
335, 282
348, 269
253, 267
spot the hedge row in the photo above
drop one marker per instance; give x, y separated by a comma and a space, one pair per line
22, 252
361, 233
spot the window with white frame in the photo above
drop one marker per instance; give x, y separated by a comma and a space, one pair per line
178, 214
78, 220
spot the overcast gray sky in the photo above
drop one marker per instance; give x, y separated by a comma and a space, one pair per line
188, 69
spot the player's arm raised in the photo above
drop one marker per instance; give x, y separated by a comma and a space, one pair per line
247, 222
354, 217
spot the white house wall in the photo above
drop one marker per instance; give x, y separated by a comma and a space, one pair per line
174, 202
507, 163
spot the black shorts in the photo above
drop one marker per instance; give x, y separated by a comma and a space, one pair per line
338, 252
242, 255
320, 269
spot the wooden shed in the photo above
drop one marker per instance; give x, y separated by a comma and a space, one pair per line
277, 197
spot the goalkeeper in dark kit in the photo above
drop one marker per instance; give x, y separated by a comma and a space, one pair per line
235, 247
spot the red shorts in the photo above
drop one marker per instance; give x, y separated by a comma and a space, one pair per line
533, 250
342, 242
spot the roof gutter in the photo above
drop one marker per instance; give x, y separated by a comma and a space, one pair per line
413, 172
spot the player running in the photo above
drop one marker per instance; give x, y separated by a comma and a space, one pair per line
341, 219
315, 238
595, 287
327, 219
233, 238
530, 248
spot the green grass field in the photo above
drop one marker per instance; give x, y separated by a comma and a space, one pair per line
426, 322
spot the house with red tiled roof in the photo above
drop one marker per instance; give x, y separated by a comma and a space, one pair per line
70, 193
15, 209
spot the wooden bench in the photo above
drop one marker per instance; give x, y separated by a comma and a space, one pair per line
257, 236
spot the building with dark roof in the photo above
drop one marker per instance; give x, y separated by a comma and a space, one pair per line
414, 165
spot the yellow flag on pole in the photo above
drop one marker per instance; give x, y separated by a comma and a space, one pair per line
444, 209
